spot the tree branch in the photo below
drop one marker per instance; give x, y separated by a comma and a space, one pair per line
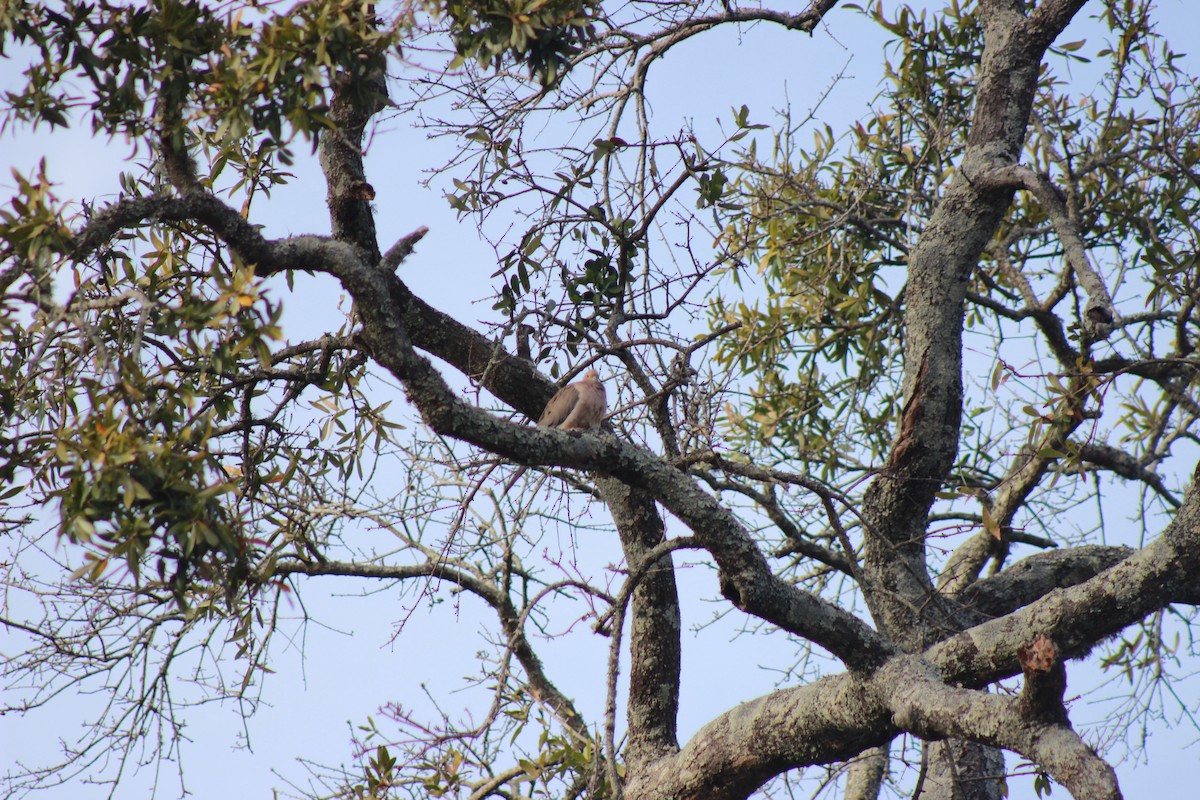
746, 577
511, 622
1036, 576
1099, 316
1123, 464
1077, 617
924, 705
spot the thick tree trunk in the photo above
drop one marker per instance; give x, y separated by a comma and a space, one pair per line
958, 770
866, 773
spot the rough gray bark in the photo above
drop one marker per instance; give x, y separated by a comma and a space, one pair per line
898, 589
959, 770
866, 773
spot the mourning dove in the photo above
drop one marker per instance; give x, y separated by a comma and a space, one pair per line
579, 406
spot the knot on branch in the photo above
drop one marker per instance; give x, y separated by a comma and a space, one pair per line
1045, 682
730, 590
1098, 319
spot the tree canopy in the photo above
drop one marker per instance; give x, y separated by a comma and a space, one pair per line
920, 392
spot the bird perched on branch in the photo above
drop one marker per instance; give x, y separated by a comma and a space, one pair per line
578, 406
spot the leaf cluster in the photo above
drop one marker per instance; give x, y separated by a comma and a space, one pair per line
544, 35
146, 68
826, 223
